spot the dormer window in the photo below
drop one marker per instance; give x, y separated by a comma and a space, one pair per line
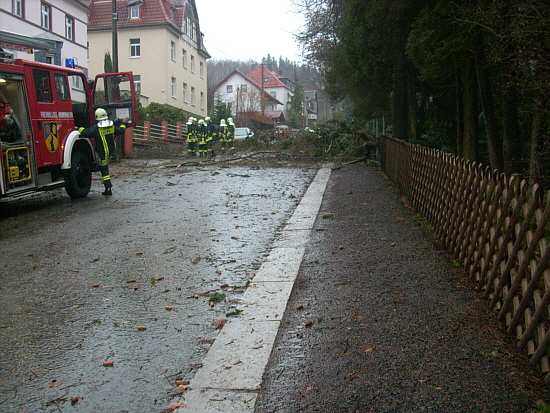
134, 12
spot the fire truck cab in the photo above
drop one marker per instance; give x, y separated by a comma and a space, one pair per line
41, 108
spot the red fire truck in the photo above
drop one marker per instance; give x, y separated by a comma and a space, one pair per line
41, 107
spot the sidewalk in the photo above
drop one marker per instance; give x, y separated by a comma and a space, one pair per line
380, 320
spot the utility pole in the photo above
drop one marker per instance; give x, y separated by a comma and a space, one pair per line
262, 97
115, 36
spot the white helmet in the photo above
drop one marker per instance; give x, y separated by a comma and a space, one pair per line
230, 120
222, 122
207, 119
101, 114
201, 122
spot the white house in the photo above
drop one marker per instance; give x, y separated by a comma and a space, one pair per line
49, 32
243, 94
161, 43
278, 86
265, 102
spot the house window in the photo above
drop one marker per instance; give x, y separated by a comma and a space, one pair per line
229, 88
244, 88
184, 58
76, 83
17, 7
201, 70
186, 25
137, 84
193, 96
134, 12
185, 92
173, 51
42, 86
202, 100
135, 48
69, 27
62, 87
46, 16
50, 59
274, 94
192, 64
173, 83
88, 51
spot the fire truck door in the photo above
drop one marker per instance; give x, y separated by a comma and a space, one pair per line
115, 92
52, 115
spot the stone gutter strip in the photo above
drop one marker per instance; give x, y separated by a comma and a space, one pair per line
231, 373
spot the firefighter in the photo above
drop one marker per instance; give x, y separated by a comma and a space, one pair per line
103, 134
230, 134
211, 133
223, 135
201, 133
192, 137
189, 136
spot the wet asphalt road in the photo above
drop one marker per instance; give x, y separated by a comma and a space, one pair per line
133, 279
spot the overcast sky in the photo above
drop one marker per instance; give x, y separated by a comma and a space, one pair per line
249, 29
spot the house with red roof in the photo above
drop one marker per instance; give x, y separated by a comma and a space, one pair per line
246, 99
261, 97
160, 41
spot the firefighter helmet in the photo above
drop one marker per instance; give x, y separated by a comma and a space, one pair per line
222, 122
201, 122
230, 120
101, 114
207, 119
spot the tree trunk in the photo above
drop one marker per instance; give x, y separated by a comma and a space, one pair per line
459, 114
493, 140
400, 105
536, 143
469, 98
413, 110
512, 147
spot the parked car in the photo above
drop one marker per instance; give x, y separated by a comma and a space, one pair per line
243, 133
282, 131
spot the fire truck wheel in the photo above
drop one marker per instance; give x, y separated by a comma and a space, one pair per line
78, 179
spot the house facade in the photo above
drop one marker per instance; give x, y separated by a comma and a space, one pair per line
261, 97
51, 32
318, 104
278, 86
161, 43
245, 98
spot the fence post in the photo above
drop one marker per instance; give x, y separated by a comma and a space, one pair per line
147, 130
129, 142
178, 130
164, 132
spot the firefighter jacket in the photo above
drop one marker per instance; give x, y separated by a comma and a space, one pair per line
104, 138
191, 132
211, 131
223, 133
201, 133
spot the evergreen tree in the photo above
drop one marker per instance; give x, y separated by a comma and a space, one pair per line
107, 63
296, 112
222, 110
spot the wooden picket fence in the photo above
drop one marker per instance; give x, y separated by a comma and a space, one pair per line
496, 226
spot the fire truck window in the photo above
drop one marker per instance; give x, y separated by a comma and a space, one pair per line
42, 86
62, 87
100, 96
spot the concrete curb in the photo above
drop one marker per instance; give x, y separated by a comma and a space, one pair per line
231, 373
